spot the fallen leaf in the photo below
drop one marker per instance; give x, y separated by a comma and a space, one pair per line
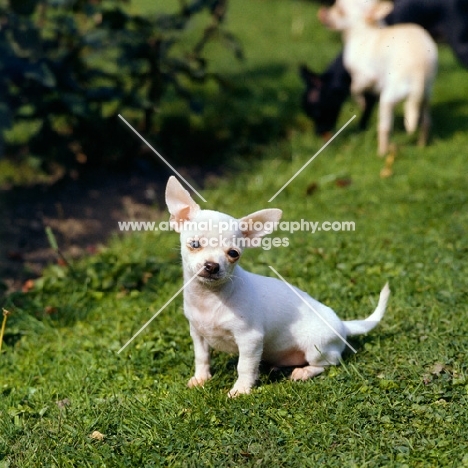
63, 403
96, 435
343, 182
437, 368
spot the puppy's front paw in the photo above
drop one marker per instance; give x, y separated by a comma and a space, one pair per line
198, 381
239, 390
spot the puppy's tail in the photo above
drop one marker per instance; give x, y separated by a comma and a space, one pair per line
359, 327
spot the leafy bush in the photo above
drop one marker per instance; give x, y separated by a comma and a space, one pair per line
71, 66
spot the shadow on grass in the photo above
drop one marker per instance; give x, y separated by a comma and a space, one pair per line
82, 213
448, 118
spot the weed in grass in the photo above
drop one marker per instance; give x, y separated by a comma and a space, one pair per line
2, 330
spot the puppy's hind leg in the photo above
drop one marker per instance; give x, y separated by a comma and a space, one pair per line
425, 124
318, 360
307, 372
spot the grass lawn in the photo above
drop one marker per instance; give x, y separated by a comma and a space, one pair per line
400, 401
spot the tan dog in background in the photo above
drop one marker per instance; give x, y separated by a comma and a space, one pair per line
399, 63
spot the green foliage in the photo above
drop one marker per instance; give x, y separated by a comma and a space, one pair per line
72, 67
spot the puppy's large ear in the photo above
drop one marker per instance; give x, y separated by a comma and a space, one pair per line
179, 203
378, 12
260, 223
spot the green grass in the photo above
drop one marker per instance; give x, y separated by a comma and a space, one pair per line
400, 401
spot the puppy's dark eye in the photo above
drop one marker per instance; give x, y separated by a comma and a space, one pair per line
194, 244
233, 254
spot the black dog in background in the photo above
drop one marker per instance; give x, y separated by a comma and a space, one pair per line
325, 93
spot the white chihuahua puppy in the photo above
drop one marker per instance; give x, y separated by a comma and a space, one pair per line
235, 311
399, 63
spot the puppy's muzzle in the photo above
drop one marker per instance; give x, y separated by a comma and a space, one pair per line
210, 271
211, 267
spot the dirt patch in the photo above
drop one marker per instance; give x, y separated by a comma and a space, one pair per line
82, 213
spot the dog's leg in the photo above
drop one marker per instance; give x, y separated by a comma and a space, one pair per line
385, 125
202, 360
358, 91
305, 373
412, 113
314, 356
250, 355
425, 124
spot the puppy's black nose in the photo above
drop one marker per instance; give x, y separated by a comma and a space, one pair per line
211, 267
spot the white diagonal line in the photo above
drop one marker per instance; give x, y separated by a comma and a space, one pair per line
159, 311
160, 157
311, 159
312, 308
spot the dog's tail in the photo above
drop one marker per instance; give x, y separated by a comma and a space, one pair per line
359, 327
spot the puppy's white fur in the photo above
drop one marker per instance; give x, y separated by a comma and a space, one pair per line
235, 311
397, 62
